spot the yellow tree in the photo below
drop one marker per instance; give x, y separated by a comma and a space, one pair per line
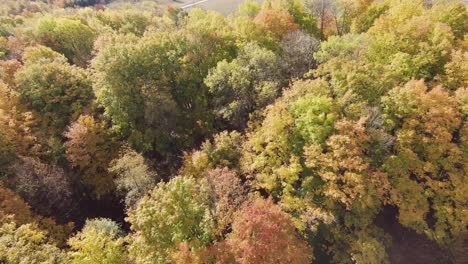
427, 170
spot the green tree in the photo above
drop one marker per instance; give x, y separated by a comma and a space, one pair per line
244, 85
52, 88
172, 213
249, 9
100, 241
69, 37
134, 177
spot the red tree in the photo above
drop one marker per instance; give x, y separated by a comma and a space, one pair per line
262, 233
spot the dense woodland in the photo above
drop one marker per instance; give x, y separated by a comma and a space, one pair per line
315, 131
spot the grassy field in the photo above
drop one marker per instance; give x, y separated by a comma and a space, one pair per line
222, 6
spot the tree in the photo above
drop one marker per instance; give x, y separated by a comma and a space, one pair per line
223, 151
134, 177
225, 196
342, 60
367, 16
100, 241
268, 158
297, 57
262, 233
347, 176
243, 85
349, 189
90, 149
69, 37
173, 213
12, 205
26, 244
455, 71
276, 22
249, 9
401, 45
14, 208
7, 140
302, 17
125, 21
428, 164
325, 10
53, 89
47, 188
135, 82
314, 118
453, 14
273, 149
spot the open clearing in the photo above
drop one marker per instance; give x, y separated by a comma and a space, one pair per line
222, 6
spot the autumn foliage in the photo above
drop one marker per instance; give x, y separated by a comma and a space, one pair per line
287, 131
262, 233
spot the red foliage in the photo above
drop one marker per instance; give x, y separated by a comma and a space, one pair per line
262, 233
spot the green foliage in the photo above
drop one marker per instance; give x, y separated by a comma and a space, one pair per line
268, 156
69, 37
51, 87
122, 21
348, 118
304, 19
131, 76
100, 241
453, 14
405, 42
146, 83
173, 213
314, 118
134, 177
271, 155
249, 9
245, 84
366, 20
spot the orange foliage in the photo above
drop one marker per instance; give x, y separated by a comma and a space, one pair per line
276, 22
263, 234
13, 205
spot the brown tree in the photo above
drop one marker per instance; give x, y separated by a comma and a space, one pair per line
90, 149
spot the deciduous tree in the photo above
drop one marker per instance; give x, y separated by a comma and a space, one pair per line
100, 241
262, 233
173, 213
53, 89
90, 148
134, 177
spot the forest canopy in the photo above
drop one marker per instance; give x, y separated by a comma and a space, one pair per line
290, 131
